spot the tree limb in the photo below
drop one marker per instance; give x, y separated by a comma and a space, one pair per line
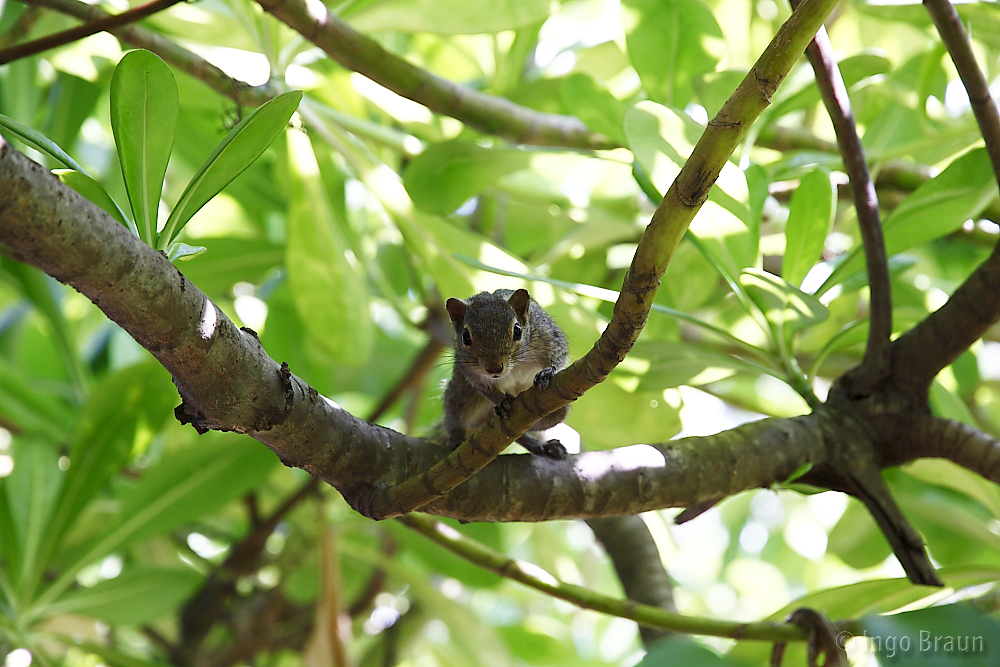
107, 23
949, 26
487, 113
875, 364
173, 54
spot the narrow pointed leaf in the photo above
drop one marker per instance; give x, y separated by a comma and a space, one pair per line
143, 119
809, 217
244, 144
39, 141
96, 193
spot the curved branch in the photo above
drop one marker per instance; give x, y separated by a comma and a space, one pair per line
487, 113
107, 23
949, 26
173, 54
960, 443
875, 364
937, 340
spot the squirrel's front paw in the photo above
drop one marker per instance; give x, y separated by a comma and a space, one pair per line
554, 450
503, 407
543, 377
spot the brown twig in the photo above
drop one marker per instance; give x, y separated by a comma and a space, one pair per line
487, 113
874, 366
949, 26
199, 68
21, 27
107, 23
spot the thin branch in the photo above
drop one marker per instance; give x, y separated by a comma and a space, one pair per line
487, 113
179, 57
534, 577
875, 364
21, 27
949, 26
629, 545
107, 23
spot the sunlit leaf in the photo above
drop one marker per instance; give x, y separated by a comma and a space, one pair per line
448, 16
323, 272
143, 119
39, 141
445, 175
810, 215
594, 105
244, 144
670, 43
191, 482
786, 306
938, 207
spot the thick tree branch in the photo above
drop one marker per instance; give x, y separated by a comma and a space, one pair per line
920, 354
875, 364
487, 113
107, 23
181, 58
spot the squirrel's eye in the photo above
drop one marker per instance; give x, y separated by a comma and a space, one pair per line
517, 331
466, 337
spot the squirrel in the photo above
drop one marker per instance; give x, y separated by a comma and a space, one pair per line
504, 343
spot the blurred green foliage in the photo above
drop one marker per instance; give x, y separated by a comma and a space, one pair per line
337, 245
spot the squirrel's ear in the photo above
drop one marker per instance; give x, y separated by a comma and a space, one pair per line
456, 310
520, 300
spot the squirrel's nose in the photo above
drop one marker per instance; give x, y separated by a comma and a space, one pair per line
494, 368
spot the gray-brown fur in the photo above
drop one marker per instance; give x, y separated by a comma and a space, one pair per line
492, 367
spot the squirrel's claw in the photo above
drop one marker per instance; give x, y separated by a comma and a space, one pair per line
544, 377
503, 407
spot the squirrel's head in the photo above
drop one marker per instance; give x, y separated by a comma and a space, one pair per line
490, 330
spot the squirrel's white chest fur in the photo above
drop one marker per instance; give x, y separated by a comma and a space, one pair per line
520, 377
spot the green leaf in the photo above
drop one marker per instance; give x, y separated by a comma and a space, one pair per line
189, 483
594, 105
680, 650
449, 16
788, 308
38, 140
323, 274
955, 635
444, 176
661, 364
938, 207
143, 119
876, 596
184, 252
639, 416
31, 489
244, 144
671, 43
95, 192
134, 597
810, 215
120, 415
34, 412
